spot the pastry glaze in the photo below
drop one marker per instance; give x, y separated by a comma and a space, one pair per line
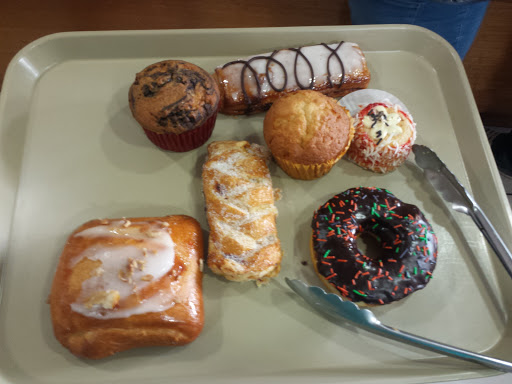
252, 84
125, 270
408, 246
127, 283
243, 243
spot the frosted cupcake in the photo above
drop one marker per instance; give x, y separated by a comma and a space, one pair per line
176, 104
307, 133
384, 130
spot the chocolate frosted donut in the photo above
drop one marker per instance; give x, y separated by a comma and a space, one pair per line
407, 241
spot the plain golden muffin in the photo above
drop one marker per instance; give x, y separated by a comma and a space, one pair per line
307, 133
176, 104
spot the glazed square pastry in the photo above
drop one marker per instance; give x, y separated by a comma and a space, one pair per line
243, 243
126, 283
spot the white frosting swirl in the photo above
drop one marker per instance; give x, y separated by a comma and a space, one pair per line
125, 269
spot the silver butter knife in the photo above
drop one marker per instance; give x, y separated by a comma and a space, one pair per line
453, 192
335, 307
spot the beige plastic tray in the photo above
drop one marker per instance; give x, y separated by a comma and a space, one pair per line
70, 152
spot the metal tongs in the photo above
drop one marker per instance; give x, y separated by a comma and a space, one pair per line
335, 307
451, 190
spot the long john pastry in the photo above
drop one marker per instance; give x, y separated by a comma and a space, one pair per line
243, 243
252, 84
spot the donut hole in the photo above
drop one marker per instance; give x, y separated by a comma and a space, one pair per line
369, 245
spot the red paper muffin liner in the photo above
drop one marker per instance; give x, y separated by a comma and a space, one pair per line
185, 141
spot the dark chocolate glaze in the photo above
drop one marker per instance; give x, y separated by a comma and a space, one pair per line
270, 59
407, 241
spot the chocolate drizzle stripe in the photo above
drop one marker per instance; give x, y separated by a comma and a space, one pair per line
254, 73
311, 71
267, 73
334, 52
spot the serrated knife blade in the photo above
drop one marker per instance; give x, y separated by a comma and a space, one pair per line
451, 190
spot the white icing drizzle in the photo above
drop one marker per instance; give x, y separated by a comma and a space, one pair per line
125, 269
299, 75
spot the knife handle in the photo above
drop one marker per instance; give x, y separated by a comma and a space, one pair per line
493, 238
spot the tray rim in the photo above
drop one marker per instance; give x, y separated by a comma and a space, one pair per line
42, 41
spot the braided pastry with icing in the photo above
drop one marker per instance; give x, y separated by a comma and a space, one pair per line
243, 243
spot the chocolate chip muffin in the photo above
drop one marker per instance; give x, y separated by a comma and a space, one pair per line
176, 104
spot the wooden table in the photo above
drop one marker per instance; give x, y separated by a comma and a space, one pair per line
487, 64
